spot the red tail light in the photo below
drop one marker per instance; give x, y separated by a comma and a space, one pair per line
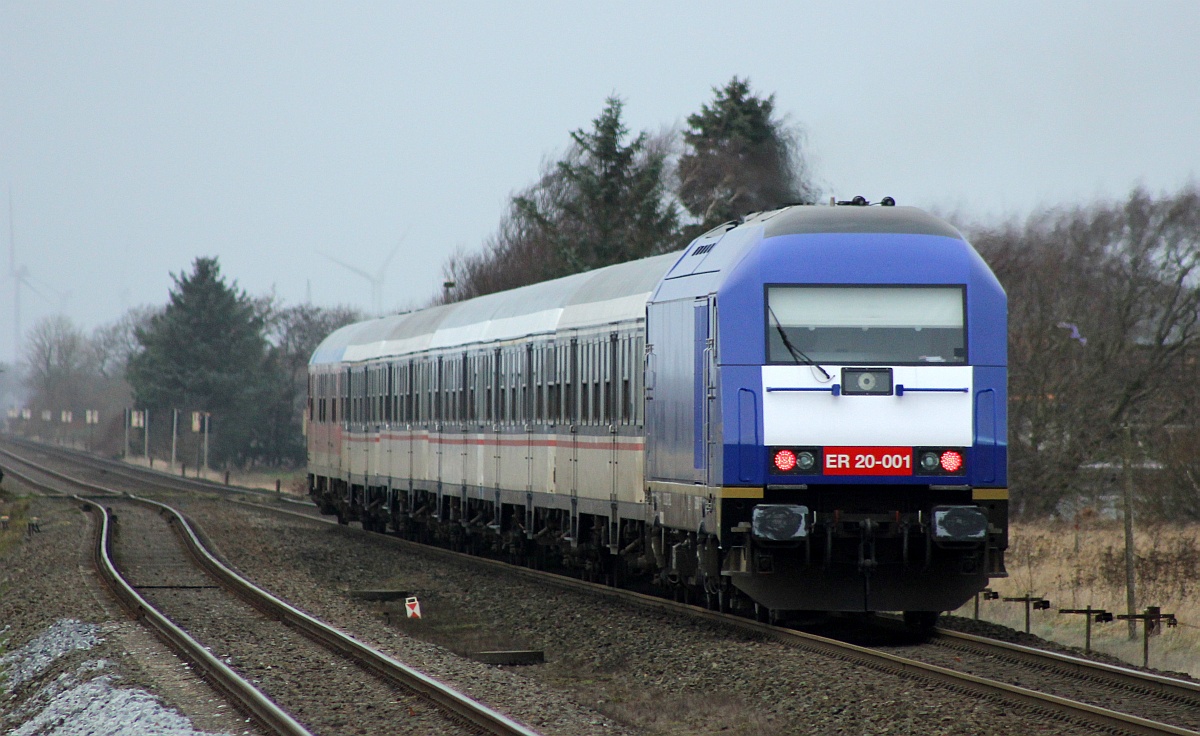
785, 460
952, 461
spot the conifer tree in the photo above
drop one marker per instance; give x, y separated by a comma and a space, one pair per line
604, 202
206, 352
739, 158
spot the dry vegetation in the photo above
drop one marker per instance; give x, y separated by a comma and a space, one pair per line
1079, 565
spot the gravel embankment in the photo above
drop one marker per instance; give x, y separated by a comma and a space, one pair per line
72, 661
324, 691
610, 668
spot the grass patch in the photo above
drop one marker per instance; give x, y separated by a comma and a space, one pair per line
17, 510
1075, 566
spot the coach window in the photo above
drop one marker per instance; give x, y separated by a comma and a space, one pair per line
439, 391
599, 372
501, 387
372, 382
408, 391
514, 388
594, 376
450, 388
414, 395
625, 387
368, 405
419, 411
585, 391
502, 398
513, 406
543, 395
586, 408
460, 391
573, 380
471, 380
637, 370
392, 370
418, 390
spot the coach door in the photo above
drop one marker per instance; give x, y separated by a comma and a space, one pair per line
705, 392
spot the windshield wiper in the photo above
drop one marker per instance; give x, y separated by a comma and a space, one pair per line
797, 354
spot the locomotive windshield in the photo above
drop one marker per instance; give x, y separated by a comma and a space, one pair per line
867, 324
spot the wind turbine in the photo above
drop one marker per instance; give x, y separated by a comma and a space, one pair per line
375, 280
20, 277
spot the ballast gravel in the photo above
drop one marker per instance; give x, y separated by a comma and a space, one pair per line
610, 669
70, 661
642, 671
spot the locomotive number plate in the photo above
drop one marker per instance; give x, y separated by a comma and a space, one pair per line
868, 461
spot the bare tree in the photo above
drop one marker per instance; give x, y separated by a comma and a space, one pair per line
56, 362
111, 345
1103, 307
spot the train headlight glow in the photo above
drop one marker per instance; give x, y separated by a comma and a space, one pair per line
951, 461
785, 460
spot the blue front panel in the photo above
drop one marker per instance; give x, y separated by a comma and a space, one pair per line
991, 426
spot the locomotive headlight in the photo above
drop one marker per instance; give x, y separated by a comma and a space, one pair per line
779, 522
930, 461
805, 461
959, 523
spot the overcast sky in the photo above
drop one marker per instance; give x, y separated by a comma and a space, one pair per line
135, 137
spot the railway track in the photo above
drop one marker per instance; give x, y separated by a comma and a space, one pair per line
1143, 703
1115, 699
92, 468
157, 567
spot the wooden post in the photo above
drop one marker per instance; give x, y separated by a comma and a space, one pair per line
1130, 573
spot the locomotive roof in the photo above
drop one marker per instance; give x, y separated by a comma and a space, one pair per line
884, 220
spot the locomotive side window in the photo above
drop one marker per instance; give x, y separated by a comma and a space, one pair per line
890, 325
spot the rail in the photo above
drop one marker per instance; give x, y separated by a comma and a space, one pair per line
448, 699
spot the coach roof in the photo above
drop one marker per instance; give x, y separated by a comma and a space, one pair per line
605, 296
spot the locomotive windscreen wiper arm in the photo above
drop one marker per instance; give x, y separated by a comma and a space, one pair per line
797, 354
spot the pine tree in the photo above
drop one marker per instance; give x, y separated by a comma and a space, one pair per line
604, 203
739, 159
617, 211
206, 352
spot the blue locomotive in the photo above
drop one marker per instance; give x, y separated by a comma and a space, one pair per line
805, 410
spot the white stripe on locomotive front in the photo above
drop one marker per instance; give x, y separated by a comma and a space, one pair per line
916, 419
